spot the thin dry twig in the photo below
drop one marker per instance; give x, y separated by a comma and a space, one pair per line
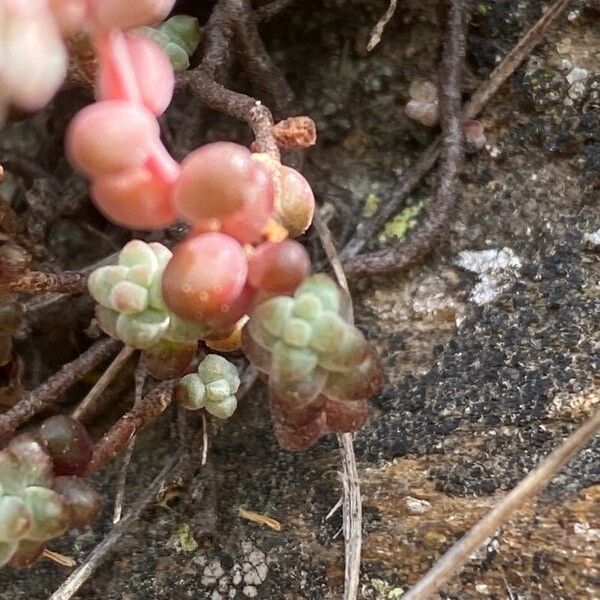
453, 560
58, 558
259, 518
380, 26
88, 405
70, 587
410, 251
49, 392
40, 302
351, 498
38, 282
140, 380
113, 441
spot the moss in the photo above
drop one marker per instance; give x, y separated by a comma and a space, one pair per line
401, 223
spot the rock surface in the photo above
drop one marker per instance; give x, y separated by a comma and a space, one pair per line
477, 394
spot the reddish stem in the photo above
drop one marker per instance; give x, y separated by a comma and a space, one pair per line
113, 55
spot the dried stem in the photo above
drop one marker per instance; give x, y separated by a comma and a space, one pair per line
538, 479
38, 282
351, 499
380, 26
48, 392
416, 245
70, 587
140, 380
202, 81
113, 441
89, 404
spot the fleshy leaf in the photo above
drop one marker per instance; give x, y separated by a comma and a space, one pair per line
222, 409
214, 368
102, 280
291, 363
50, 513
360, 383
35, 461
107, 320
138, 253
167, 359
295, 439
129, 298
15, 518
142, 330
255, 353
344, 416
191, 392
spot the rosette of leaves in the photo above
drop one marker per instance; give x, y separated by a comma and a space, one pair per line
35, 504
321, 370
179, 37
212, 387
131, 308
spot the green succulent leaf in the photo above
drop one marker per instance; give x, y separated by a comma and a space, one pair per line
50, 513
142, 330
107, 320
191, 392
182, 330
215, 368
291, 363
102, 280
13, 477
222, 409
16, 519
129, 298
324, 288
138, 253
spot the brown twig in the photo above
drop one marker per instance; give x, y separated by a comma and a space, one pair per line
255, 59
38, 282
538, 479
203, 80
411, 249
380, 26
78, 577
113, 441
431, 227
88, 404
140, 380
48, 392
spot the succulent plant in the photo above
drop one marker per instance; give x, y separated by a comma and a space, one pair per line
212, 387
321, 368
129, 295
36, 506
179, 37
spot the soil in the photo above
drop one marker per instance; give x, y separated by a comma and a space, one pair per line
477, 393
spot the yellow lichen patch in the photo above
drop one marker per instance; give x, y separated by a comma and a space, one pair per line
401, 223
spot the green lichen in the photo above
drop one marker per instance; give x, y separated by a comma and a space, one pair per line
183, 539
371, 204
401, 223
385, 590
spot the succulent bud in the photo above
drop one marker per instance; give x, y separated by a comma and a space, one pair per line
212, 387
423, 106
315, 360
68, 443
